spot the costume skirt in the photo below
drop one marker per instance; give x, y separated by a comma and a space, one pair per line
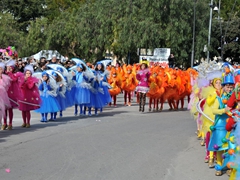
49, 105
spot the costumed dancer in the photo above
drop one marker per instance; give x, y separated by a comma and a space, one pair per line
95, 100
101, 77
69, 84
82, 94
194, 100
115, 83
218, 130
61, 90
129, 83
232, 156
5, 82
142, 88
13, 92
210, 93
48, 95
156, 88
30, 99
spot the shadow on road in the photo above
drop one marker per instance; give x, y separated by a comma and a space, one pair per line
59, 121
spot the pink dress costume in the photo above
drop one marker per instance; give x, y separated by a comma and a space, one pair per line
30, 99
142, 87
13, 92
5, 82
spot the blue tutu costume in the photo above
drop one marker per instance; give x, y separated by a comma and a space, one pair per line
69, 99
95, 100
82, 91
49, 101
103, 87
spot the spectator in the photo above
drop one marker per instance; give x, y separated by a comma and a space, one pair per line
53, 60
20, 66
171, 61
31, 61
43, 59
41, 67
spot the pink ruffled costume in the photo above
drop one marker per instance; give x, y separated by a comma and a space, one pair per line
13, 92
30, 99
5, 83
142, 77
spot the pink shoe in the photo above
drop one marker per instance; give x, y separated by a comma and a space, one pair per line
206, 160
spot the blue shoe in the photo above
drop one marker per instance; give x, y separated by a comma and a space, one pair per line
89, 114
42, 120
61, 115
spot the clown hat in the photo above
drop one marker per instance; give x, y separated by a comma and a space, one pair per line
228, 79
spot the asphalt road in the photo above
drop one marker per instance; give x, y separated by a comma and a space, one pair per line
119, 144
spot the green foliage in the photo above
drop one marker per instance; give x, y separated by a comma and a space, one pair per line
9, 35
89, 28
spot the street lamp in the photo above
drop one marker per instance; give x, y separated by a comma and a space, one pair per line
209, 30
220, 21
193, 39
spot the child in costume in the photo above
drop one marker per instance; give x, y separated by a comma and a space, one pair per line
5, 83
210, 93
13, 92
48, 95
231, 157
218, 130
129, 83
156, 88
101, 77
82, 92
95, 99
142, 88
114, 81
30, 99
61, 90
69, 84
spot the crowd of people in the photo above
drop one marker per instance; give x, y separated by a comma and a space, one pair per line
215, 105
49, 87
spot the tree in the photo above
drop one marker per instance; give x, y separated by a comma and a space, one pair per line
9, 35
24, 11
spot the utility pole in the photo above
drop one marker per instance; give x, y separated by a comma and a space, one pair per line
194, 26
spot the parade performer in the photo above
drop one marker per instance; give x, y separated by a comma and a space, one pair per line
156, 88
231, 157
69, 84
212, 93
129, 83
82, 91
61, 90
5, 83
95, 98
48, 95
101, 77
30, 99
13, 92
195, 97
115, 83
142, 88
218, 130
